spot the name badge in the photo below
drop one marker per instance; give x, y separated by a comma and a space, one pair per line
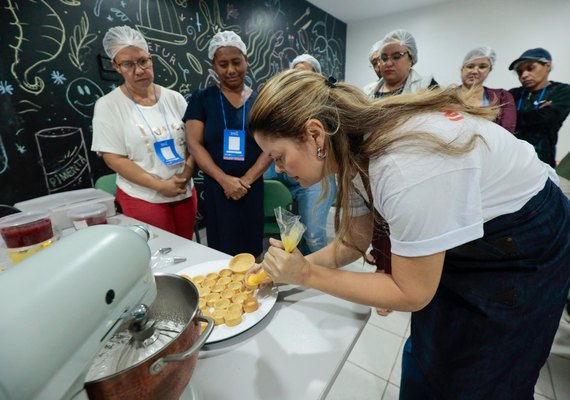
234, 144
167, 153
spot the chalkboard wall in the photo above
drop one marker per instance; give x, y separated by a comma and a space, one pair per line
53, 69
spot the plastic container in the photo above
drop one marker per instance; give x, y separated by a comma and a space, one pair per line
88, 214
26, 228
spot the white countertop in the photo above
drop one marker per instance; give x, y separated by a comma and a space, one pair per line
294, 353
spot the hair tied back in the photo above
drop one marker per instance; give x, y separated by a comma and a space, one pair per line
331, 82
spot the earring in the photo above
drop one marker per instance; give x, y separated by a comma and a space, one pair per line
321, 155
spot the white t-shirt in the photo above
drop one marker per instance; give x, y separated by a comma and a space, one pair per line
120, 128
434, 202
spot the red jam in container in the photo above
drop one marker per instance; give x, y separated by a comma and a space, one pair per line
88, 214
26, 228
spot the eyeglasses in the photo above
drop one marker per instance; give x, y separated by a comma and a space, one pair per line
394, 57
144, 63
481, 66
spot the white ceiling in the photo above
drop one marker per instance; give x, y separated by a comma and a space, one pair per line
352, 11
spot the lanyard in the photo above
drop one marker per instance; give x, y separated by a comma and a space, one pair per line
142, 115
485, 98
536, 103
224, 111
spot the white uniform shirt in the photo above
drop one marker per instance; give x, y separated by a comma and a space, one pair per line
120, 128
434, 202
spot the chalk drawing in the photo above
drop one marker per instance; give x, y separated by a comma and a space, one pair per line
29, 106
161, 25
6, 88
30, 54
80, 39
63, 157
82, 94
213, 24
3, 158
58, 78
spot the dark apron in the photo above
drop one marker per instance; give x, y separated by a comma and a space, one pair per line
489, 329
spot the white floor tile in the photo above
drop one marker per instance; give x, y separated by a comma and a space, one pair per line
354, 383
392, 392
541, 397
376, 351
560, 372
397, 322
396, 374
544, 383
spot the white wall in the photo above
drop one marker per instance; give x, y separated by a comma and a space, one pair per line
446, 32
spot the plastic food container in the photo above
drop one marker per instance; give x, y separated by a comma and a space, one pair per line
26, 228
88, 214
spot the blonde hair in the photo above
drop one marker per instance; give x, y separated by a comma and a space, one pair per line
291, 98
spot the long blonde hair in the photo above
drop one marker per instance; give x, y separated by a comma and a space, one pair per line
357, 127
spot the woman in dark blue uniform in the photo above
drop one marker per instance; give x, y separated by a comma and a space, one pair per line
231, 160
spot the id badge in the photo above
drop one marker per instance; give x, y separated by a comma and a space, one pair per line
234, 144
166, 152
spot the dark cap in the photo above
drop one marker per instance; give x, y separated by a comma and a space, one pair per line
538, 54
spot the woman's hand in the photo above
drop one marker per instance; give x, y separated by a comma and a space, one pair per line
233, 188
284, 267
173, 186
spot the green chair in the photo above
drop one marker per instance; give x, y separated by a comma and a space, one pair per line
275, 194
107, 183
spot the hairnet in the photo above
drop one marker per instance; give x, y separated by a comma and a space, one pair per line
375, 47
403, 38
223, 39
480, 52
119, 37
309, 59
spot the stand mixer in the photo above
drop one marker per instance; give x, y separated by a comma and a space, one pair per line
59, 307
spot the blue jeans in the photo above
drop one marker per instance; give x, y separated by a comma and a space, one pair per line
313, 215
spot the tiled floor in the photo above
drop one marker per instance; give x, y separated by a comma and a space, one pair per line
373, 369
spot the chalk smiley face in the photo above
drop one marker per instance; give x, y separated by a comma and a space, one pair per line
82, 94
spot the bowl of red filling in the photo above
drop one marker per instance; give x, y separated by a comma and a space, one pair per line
26, 228
88, 215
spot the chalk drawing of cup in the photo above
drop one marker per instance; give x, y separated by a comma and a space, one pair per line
3, 157
63, 156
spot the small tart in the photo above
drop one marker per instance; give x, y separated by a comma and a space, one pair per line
238, 277
221, 304
218, 288
219, 316
228, 294
242, 262
203, 291
224, 281
198, 279
235, 286
235, 307
233, 319
209, 283
225, 272
250, 285
202, 303
239, 298
250, 304
212, 276
212, 298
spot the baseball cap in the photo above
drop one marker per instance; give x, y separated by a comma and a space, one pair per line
538, 54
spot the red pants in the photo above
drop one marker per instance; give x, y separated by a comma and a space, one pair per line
177, 217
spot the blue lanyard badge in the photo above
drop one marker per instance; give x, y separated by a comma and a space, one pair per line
234, 144
234, 139
167, 153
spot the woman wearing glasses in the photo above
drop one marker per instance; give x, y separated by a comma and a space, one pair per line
398, 54
233, 164
139, 133
476, 67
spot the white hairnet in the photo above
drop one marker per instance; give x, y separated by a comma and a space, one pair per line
479, 52
403, 38
375, 47
223, 39
119, 37
309, 59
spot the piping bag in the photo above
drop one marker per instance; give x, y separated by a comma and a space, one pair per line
291, 229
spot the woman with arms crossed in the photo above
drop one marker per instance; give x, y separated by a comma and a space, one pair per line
478, 225
231, 160
138, 130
